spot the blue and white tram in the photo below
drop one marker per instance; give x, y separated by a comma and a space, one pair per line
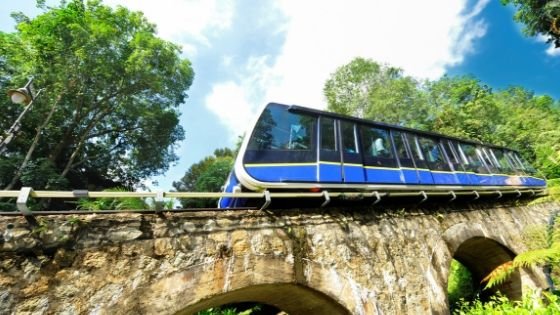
298, 148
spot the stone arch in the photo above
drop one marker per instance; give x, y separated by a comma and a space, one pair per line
266, 279
482, 255
481, 252
289, 297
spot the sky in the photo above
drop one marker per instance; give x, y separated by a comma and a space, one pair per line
246, 53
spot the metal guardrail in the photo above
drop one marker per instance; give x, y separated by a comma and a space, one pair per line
25, 193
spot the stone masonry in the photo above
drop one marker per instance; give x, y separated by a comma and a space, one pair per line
304, 261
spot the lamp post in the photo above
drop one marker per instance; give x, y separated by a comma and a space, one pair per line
21, 96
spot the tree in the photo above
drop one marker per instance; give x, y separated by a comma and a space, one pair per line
366, 89
539, 17
208, 175
458, 106
463, 107
109, 112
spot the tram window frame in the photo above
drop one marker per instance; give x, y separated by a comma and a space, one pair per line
473, 162
370, 146
343, 142
436, 162
507, 168
457, 161
279, 148
334, 146
517, 167
408, 160
528, 168
490, 163
417, 154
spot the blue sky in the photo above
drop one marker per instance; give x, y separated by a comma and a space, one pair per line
247, 53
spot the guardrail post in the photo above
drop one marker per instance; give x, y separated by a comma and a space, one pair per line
477, 195
377, 197
453, 195
327, 198
267, 199
159, 201
22, 198
499, 194
424, 196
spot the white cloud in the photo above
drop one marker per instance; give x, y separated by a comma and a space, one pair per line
551, 50
181, 20
422, 37
236, 102
231, 104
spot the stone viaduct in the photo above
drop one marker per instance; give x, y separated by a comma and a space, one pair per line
381, 260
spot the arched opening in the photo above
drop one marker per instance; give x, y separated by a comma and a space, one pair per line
481, 255
460, 284
287, 298
245, 308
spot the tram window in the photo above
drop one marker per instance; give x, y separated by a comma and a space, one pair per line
501, 159
416, 151
415, 147
349, 137
514, 162
525, 165
486, 158
474, 163
376, 142
433, 153
328, 134
279, 129
452, 155
376, 147
403, 153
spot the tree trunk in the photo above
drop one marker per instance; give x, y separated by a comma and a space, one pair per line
33, 146
82, 141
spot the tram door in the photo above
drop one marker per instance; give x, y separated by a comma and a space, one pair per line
352, 163
404, 154
422, 168
329, 165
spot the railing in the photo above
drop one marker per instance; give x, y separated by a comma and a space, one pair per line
25, 193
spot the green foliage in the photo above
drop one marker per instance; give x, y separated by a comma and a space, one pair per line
366, 89
128, 203
42, 173
113, 88
534, 303
553, 186
230, 311
539, 17
208, 175
544, 252
459, 284
457, 106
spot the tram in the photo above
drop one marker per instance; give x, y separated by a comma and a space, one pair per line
294, 148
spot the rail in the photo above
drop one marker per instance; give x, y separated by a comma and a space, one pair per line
25, 193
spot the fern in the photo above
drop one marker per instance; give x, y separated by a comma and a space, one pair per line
499, 275
547, 254
537, 257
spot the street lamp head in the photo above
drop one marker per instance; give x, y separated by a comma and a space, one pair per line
20, 96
